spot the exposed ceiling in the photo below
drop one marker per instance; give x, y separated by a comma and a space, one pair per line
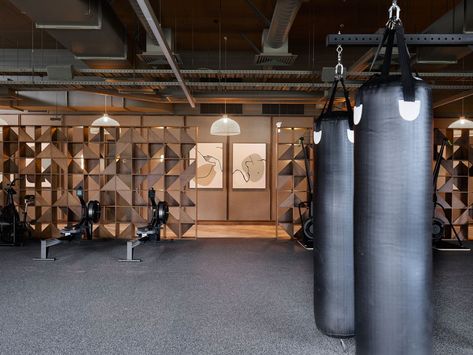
199, 29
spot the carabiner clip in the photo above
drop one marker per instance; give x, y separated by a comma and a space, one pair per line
394, 13
339, 69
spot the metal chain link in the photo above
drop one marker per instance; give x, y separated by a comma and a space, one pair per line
339, 69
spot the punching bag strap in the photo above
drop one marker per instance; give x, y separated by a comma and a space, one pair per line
347, 96
332, 96
317, 124
351, 123
389, 37
329, 103
327, 107
408, 81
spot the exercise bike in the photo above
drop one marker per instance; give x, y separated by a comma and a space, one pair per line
306, 217
152, 231
438, 225
90, 214
12, 228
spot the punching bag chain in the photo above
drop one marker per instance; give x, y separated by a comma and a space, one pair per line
339, 67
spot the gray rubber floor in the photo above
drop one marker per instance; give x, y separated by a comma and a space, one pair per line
192, 297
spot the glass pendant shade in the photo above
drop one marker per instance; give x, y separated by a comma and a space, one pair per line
462, 123
3, 122
225, 126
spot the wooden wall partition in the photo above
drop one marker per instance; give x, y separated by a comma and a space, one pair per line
455, 183
292, 184
114, 165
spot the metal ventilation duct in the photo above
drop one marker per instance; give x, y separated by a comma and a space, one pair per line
89, 29
275, 39
154, 55
284, 15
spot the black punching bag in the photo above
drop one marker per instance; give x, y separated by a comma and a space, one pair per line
393, 210
333, 220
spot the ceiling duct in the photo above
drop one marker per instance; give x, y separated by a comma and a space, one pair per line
89, 29
275, 39
154, 55
456, 20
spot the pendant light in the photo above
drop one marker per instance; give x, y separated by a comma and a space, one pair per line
3, 122
105, 120
224, 126
462, 122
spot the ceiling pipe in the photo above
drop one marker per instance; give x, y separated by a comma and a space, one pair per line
145, 13
284, 15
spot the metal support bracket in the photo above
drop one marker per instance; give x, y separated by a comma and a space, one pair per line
130, 246
45, 245
425, 40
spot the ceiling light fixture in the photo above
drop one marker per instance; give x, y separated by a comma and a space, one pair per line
105, 120
224, 126
462, 122
3, 122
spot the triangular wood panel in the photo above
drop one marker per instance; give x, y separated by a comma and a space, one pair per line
114, 165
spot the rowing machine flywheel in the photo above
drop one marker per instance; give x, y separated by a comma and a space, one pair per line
93, 211
309, 229
163, 212
438, 230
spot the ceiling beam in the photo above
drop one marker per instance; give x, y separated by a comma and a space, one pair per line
363, 62
453, 98
258, 13
265, 86
148, 15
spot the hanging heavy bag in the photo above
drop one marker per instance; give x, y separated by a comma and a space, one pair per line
393, 209
333, 218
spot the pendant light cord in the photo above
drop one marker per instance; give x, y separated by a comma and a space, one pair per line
225, 68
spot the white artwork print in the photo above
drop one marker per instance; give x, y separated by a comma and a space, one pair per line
209, 166
249, 166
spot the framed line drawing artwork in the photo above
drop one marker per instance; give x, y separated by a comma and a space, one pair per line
249, 166
209, 166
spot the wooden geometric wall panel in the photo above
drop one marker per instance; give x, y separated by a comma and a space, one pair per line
291, 184
455, 179
114, 165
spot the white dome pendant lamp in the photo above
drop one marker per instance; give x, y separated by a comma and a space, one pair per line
462, 122
225, 126
105, 119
